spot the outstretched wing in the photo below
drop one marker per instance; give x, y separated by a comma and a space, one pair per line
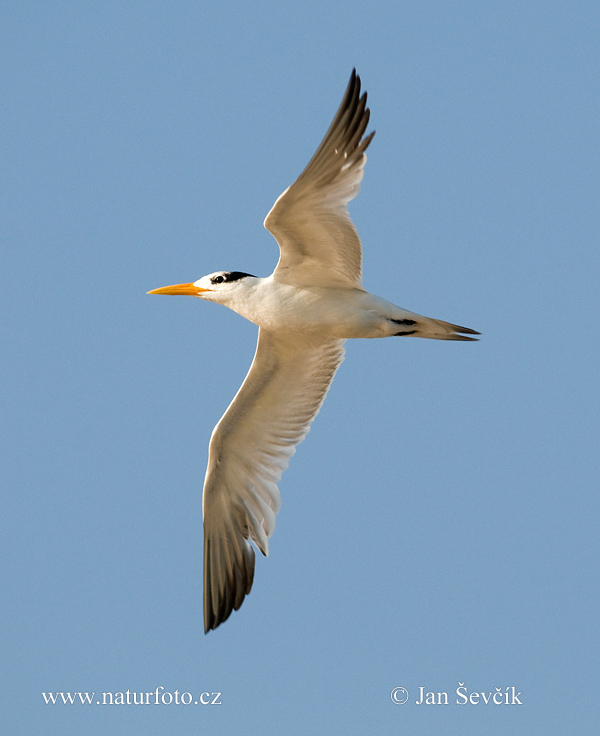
317, 239
250, 448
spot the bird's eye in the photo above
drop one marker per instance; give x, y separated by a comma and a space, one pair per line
218, 280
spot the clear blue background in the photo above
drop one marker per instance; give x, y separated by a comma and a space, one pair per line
439, 524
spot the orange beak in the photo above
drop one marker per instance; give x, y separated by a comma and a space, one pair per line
184, 289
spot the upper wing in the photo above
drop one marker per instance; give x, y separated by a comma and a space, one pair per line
250, 448
318, 242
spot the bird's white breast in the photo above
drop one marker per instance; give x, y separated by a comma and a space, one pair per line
330, 312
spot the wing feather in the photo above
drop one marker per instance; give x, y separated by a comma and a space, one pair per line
317, 239
250, 448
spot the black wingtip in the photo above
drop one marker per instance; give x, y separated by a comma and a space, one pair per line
224, 597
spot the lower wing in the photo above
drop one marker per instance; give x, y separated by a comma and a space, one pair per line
250, 448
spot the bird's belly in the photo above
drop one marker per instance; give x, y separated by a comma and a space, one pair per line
335, 313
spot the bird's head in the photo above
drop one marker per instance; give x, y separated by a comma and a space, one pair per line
214, 287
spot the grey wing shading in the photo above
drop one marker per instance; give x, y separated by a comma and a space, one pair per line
310, 221
250, 448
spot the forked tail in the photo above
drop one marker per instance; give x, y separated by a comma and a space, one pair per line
434, 329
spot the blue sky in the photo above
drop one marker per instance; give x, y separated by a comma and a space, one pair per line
439, 523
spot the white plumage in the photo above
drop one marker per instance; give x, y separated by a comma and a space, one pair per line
305, 311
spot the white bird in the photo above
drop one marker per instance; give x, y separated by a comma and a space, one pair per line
305, 310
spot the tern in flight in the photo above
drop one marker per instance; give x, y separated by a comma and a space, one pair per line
305, 310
